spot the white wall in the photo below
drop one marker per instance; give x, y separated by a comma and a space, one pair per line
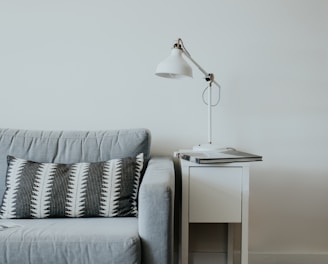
90, 64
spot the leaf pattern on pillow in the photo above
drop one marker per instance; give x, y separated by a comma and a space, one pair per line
13, 180
40, 204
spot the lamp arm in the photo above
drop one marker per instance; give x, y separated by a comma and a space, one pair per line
207, 75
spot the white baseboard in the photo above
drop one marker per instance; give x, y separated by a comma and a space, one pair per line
263, 258
288, 258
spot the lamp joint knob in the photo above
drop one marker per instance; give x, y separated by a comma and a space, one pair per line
210, 77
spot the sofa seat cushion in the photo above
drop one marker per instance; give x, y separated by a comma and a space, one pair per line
78, 240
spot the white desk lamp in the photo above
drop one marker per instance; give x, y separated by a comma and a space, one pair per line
176, 67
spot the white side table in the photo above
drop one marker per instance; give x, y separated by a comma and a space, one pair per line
215, 193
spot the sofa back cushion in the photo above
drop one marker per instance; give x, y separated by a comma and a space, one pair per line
70, 146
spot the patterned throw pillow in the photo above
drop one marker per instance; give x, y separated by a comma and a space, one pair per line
41, 190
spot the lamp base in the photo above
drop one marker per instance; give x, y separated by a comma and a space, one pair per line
208, 147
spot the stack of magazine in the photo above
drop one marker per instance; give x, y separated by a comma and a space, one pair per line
226, 155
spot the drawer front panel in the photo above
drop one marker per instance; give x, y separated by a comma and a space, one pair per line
215, 194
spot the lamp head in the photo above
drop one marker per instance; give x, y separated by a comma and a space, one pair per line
174, 66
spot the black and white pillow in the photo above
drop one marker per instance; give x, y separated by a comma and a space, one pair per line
41, 190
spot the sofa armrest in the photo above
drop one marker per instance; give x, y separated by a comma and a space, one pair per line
156, 212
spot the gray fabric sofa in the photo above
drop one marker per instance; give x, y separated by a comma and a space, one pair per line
147, 238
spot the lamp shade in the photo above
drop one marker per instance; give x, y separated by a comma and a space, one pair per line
174, 66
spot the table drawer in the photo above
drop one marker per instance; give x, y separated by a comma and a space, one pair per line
215, 194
